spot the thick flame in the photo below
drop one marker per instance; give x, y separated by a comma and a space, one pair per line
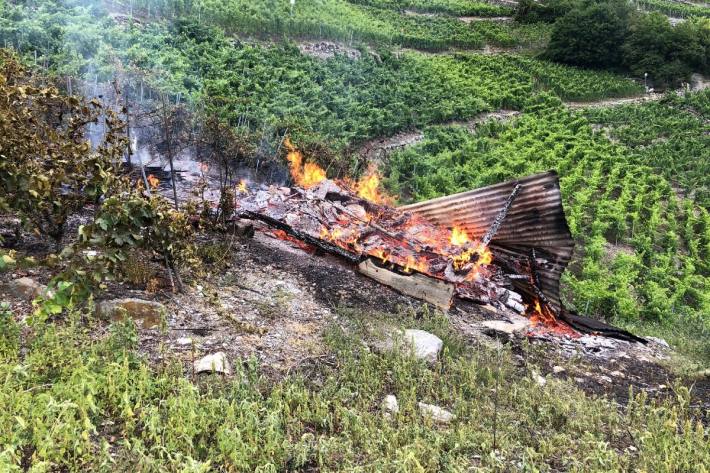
242, 187
304, 175
459, 237
368, 188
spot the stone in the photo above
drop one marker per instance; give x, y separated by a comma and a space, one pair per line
146, 314
426, 346
540, 380
215, 362
24, 288
183, 341
390, 404
658, 341
605, 379
595, 343
436, 413
558, 369
617, 374
516, 326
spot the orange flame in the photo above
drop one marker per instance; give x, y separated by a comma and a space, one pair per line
153, 181
305, 175
368, 188
242, 187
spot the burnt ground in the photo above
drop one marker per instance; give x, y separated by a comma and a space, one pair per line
269, 300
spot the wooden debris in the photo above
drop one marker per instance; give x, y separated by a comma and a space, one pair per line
434, 291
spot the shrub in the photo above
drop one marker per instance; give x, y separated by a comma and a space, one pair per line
48, 168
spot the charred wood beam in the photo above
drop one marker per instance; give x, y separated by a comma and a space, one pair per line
535, 283
498, 221
303, 236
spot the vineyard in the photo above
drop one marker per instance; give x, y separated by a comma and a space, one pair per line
677, 9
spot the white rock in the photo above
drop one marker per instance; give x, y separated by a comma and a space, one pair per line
183, 341
540, 380
390, 404
215, 362
558, 369
605, 379
658, 341
507, 329
617, 374
426, 346
436, 413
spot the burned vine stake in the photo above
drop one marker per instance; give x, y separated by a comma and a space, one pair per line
498, 221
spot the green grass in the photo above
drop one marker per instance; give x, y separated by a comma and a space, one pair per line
76, 403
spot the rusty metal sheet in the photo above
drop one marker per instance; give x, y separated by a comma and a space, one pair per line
535, 220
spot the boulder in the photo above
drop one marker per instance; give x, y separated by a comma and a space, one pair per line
390, 404
437, 414
146, 314
213, 363
506, 329
24, 288
426, 346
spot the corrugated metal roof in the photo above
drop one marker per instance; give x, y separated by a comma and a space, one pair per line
536, 220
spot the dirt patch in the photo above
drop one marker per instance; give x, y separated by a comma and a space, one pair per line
327, 49
472, 19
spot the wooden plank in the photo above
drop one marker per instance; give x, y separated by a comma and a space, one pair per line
434, 291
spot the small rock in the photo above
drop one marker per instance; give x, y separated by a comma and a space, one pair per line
147, 314
506, 329
617, 374
595, 343
437, 414
540, 380
605, 379
558, 369
24, 288
426, 346
390, 404
215, 362
183, 341
658, 341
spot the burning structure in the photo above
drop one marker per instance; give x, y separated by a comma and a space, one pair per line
504, 246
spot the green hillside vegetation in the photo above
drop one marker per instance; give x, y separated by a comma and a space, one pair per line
616, 196
677, 9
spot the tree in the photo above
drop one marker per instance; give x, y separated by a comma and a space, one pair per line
534, 11
591, 35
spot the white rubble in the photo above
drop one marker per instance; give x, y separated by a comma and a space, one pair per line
390, 404
215, 362
437, 414
426, 346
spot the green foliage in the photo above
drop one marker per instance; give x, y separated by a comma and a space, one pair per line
613, 198
591, 35
48, 169
610, 34
667, 53
533, 11
75, 402
9, 334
